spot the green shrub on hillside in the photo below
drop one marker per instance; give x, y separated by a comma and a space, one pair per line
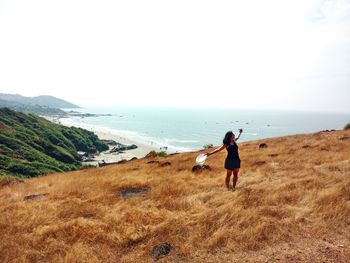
23, 168
5, 175
84, 140
161, 153
347, 126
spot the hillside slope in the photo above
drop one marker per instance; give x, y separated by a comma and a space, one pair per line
292, 204
31, 146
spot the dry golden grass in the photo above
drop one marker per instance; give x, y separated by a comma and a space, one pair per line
292, 204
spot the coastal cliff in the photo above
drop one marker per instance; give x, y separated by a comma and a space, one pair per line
32, 146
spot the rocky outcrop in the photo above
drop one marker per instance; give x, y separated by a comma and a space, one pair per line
118, 148
83, 115
110, 142
89, 158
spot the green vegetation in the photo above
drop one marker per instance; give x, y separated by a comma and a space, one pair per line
161, 153
5, 176
31, 145
347, 126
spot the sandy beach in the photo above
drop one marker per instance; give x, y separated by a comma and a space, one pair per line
141, 151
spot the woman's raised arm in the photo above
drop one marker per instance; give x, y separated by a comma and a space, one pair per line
239, 134
217, 150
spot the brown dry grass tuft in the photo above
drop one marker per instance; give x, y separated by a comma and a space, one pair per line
292, 204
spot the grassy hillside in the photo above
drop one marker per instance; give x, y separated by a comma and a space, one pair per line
292, 204
30, 145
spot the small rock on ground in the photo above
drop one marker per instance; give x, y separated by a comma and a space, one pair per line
152, 162
262, 145
200, 168
259, 162
165, 164
133, 191
160, 250
32, 197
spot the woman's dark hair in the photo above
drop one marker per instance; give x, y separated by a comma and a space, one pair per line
227, 138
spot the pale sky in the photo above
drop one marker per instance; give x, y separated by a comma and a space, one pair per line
290, 55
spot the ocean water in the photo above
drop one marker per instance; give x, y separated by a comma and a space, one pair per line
189, 129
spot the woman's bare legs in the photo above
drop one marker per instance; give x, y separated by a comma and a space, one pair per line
235, 178
228, 176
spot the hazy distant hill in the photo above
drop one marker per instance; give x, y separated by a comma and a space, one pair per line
53, 102
41, 105
31, 145
37, 109
46, 101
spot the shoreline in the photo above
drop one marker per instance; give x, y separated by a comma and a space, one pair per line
141, 151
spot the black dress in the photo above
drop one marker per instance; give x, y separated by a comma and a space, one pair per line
232, 160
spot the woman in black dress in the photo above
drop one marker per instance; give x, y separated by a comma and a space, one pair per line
232, 162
